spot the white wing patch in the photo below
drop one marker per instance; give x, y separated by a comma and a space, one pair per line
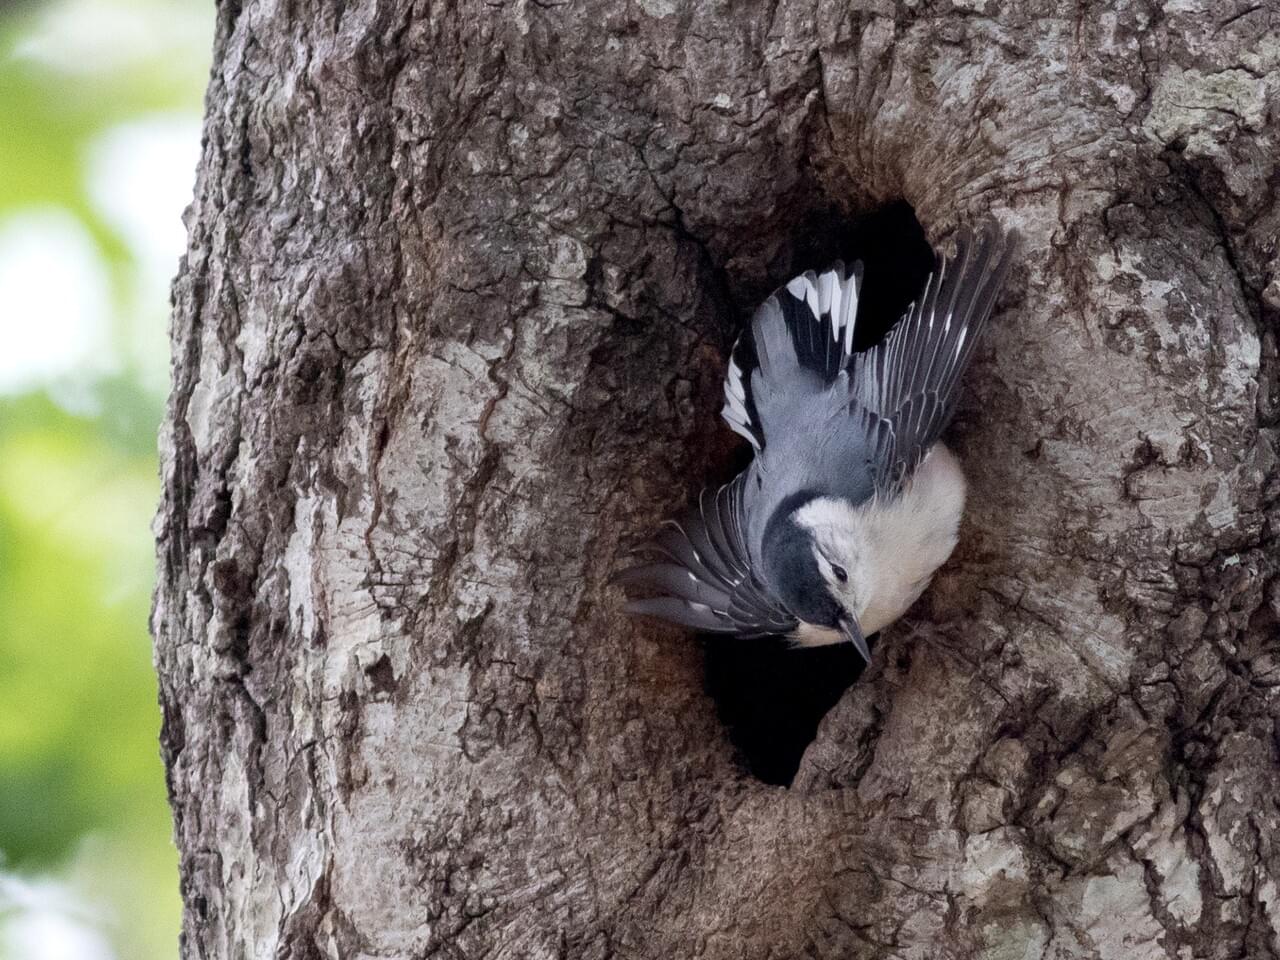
735, 404
832, 298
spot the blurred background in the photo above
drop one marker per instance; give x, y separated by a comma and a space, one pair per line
99, 136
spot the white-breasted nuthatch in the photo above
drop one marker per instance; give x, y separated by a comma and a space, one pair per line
850, 503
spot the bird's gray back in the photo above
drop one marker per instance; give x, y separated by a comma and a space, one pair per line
816, 449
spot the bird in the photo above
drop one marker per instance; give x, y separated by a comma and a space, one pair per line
851, 502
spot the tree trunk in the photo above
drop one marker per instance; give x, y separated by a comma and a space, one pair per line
450, 332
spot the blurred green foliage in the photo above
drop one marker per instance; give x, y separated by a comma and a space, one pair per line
77, 715
82, 797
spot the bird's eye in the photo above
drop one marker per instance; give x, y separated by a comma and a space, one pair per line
840, 572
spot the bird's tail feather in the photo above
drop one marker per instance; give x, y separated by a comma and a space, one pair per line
800, 340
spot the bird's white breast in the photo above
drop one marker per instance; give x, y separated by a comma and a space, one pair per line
912, 537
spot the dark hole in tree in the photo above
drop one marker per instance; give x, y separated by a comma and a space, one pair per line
770, 694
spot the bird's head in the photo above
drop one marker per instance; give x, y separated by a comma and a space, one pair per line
814, 554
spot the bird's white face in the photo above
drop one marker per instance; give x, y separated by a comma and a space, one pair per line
842, 547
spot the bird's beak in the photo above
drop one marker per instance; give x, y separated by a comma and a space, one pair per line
853, 633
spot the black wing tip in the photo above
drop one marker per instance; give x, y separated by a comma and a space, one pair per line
989, 245
675, 611
635, 574
843, 271
969, 281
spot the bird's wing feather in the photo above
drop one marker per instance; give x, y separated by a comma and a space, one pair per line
801, 339
910, 382
698, 573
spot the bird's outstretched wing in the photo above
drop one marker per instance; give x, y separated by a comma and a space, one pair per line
908, 385
801, 340
697, 573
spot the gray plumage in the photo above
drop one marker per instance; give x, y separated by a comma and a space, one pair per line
841, 434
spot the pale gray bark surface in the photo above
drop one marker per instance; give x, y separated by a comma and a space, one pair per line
451, 328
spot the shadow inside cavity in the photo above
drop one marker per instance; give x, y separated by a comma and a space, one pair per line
772, 696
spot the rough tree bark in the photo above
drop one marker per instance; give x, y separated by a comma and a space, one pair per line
450, 329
